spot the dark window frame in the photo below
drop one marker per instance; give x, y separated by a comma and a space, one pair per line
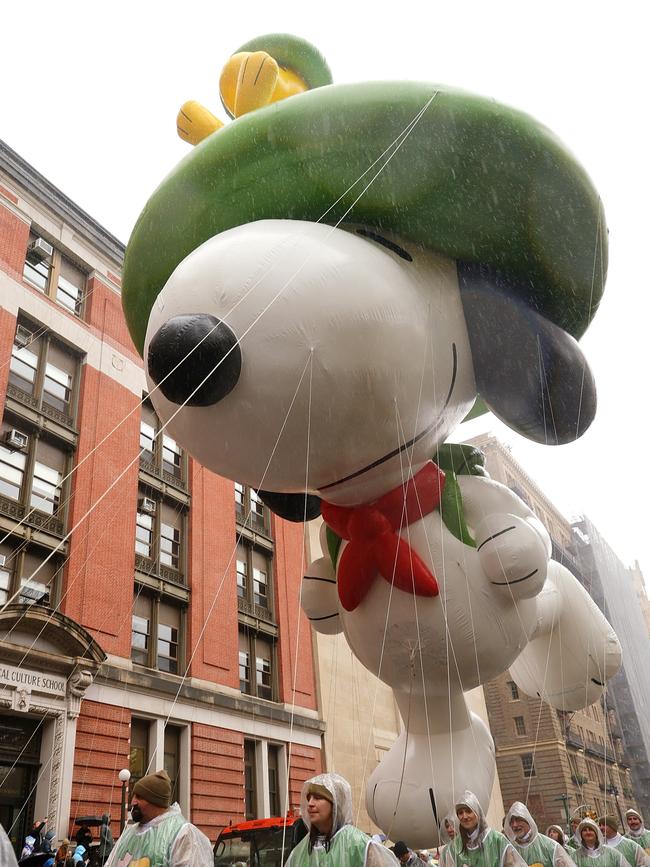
156, 558
35, 393
154, 458
149, 656
250, 511
254, 642
54, 284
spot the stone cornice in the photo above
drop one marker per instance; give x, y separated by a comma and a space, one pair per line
36, 185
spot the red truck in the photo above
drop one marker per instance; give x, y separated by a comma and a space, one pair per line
259, 842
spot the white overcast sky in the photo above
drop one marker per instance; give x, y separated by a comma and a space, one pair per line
90, 92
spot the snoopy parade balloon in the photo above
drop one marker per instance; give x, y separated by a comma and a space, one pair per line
322, 290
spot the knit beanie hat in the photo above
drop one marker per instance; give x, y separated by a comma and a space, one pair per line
321, 791
610, 821
155, 788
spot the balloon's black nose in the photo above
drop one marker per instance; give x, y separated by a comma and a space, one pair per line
195, 359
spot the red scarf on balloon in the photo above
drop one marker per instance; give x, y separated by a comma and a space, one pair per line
375, 545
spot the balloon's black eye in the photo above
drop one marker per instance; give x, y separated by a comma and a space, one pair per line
195, 359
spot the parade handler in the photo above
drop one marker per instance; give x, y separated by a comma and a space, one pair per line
535, 848
333, 841
636, 829
162, 836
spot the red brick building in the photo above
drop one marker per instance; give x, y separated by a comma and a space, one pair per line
149, 607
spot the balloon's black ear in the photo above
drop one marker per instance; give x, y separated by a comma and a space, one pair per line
529, 371
292, 507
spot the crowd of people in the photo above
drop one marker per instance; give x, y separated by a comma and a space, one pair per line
160, 836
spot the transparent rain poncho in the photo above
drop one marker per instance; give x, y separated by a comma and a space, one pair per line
345, 846
7, 855
560, 830
168, 839
446, 855
535, 848
601, 855
485, 846
642, 835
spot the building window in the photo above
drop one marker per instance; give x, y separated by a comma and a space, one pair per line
160, 619
139, 749
274, 780
514, 691
169, 618
250, 793
159, 534
160, 454
172, 757
528, 765
24, 571
43, 371
255, 564
256, 664
32, 469
54, 274
520, 725
250, 510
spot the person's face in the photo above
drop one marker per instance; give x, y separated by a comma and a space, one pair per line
319, 810
141, 810
634, 823
574, 824
607, 831
554, 834
449, 828
404, 858
467, 818
589, 837
519, 826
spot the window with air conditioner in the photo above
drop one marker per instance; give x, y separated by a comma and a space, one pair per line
55, 274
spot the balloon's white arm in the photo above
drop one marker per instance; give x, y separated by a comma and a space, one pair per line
501, 522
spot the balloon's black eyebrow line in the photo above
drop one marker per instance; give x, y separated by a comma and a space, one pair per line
390, 245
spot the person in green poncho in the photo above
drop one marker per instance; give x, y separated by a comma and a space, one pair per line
161, 835
636, 829
592, 851
333, 841
556, 832
535, 848
478, 845
631, 851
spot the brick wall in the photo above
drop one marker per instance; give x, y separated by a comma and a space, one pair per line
14, 235
101, 751
289, 565
98, 579
217, 778
104, 315
212, 576
304, 762
7, 331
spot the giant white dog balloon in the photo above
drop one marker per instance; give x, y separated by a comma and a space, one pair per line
320, 290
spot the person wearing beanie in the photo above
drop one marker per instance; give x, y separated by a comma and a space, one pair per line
636, 830
629, 849
592, 851
476, 844
333, 841
535, 848
161, 835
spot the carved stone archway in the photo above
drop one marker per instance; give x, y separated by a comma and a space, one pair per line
47, 661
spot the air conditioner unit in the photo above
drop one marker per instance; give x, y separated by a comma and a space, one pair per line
147, 505
23, 336
39, 250
16, 439
3, 560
